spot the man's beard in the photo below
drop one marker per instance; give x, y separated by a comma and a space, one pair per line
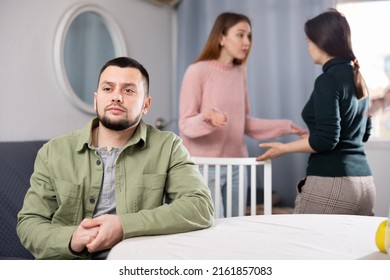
118, 125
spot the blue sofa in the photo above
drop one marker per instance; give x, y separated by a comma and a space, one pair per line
16, 166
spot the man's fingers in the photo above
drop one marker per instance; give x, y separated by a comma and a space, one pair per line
90, 223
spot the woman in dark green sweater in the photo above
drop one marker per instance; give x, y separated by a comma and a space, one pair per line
338, 177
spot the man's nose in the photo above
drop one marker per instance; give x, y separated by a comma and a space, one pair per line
117, 98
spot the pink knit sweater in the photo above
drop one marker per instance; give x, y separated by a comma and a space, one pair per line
209, 84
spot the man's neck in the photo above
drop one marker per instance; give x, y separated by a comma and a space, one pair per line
112, 139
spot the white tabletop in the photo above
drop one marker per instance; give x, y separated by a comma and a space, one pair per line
270, 237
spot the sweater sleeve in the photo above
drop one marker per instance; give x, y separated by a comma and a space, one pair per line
192, 124
326, 133
265, 128
367, 133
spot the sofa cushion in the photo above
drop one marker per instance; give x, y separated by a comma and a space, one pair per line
16, 166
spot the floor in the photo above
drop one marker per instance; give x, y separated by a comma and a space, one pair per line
276, 199
275, 210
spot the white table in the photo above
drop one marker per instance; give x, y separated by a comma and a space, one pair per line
272, 237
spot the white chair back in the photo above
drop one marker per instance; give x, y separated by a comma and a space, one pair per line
242, 163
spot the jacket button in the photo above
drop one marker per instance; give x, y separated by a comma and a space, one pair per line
98, 162
91, 200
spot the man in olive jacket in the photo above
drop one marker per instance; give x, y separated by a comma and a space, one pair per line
114, 179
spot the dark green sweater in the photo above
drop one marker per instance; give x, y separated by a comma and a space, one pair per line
338, 124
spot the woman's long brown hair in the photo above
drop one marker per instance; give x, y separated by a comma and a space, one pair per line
331, 33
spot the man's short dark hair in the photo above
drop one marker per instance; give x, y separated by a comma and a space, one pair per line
127, 62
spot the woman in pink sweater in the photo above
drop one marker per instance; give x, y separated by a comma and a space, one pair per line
214, 109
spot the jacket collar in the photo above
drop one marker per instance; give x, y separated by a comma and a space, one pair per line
85, 136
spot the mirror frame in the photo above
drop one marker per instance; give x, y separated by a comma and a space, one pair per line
119, 43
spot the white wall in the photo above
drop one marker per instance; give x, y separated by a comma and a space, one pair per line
32, 104
378, 154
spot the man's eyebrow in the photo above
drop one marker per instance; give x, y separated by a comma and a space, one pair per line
123, 84
129, 84
107, 82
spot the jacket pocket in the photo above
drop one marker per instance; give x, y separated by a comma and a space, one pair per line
147, 192
69, 200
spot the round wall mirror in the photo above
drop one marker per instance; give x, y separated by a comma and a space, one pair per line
86, 38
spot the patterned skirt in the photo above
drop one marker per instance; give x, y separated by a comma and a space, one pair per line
335, 195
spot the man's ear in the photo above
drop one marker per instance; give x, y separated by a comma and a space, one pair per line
147, 103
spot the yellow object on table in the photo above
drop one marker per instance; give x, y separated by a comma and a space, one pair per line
380, 237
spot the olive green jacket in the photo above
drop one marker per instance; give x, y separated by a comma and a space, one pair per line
158, 190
